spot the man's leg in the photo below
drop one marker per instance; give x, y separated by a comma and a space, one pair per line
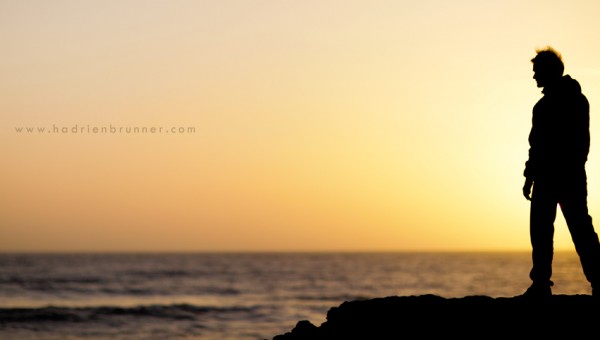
541, 228
573, 202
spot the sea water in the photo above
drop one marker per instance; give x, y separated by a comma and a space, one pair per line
241, 296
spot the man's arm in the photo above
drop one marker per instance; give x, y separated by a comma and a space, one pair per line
582, 135
527, 188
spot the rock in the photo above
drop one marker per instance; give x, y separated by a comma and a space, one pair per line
429, 316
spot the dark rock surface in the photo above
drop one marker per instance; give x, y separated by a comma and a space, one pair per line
473, 317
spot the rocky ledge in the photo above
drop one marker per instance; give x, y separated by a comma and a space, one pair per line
474, 317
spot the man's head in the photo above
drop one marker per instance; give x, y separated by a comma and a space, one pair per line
547, 66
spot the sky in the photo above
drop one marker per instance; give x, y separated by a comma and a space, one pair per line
278, 125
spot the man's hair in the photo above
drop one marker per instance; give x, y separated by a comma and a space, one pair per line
550, 60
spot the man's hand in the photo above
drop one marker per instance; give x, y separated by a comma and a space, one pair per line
527, 188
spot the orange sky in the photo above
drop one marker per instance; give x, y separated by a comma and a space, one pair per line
318, 125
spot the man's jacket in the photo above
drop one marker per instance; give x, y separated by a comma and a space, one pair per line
560, 138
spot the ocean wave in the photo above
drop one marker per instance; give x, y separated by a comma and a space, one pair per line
332, 298
95, 285
45, 281
85, 314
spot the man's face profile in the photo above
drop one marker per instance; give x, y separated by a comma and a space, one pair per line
540, 75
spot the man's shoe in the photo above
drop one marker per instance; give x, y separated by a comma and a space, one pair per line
538, 291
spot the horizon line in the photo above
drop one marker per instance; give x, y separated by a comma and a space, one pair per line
272, 251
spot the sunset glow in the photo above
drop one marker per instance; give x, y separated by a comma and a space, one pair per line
284, 126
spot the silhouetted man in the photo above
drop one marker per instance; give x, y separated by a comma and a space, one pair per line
559, 144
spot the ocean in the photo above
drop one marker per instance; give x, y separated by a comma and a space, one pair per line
237, 296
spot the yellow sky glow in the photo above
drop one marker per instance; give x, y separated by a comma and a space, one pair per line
319, 125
